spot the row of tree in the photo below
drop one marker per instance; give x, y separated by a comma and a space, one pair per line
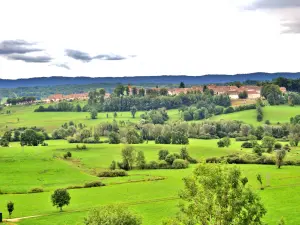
15, 101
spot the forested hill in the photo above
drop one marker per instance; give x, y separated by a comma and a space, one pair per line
206, 79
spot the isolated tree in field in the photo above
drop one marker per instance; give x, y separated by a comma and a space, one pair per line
215, 194
226, 141
112, 215
133, 110
259, 179
60, 198
268, 142
181, 85
115, 114
10, 208
93, 113
129, 156
280, 155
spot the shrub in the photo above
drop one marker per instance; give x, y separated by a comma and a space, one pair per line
171, 157
278, 146
90, 140
113, 165
36, 190
287, 148
180, 164
221, 144
162, 154
162, 164
94, 184
69, 154
242, 139
44, 144
81, 147
152, 165
246, 145
113, 173
258, 150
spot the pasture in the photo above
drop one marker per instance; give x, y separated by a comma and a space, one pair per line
153, 198
151, 193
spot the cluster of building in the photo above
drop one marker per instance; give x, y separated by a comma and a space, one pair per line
232, 91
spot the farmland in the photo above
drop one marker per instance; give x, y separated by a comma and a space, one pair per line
153, 194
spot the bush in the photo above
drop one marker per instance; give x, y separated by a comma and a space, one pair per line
81, 147
152, 165
93, 184
162, 154
36, 190
287, 148
69, 154
246, 145
221, 144
242, 139
278, 146
180, 164
90, 140
258, 150
162, 164
44, 144
113, 173
171, 157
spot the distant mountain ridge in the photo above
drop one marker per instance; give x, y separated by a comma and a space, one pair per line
164, 79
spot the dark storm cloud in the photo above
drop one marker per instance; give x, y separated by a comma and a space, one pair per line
17, 47
78, 55
30, 59
287, 10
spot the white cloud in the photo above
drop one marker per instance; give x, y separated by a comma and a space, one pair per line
191, 37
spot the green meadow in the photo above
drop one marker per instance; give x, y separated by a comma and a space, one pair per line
151, 193
274, 114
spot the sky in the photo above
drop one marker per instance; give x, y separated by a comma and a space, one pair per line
100, 38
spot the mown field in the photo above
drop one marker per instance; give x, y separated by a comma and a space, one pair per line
274, 114
23, 169
151, 193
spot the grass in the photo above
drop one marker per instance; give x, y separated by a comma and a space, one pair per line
274, 114
153, 199
44, 167
24, 116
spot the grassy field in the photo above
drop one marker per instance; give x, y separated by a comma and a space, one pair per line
44, 167
151, 193
24, 116
281, 114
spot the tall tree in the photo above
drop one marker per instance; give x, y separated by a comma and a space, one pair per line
215, 194
60, 198
181, 85
133, 110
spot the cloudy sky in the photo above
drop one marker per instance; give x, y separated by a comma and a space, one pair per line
101, 38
